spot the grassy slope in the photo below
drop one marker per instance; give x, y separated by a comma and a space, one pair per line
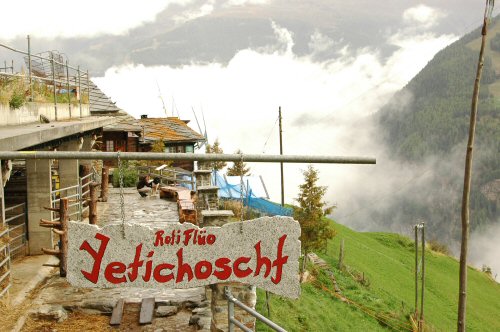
387, 261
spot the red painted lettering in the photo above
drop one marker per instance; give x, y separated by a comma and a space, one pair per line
159, 238
225, 272
96, 255
182, 268
149, 266
198, 270
111, 269
163, 278
261, 261
279, 261
236, 267
136, 264
187, 236
210, 239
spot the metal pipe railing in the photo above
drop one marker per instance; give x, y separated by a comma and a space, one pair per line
10, 208
15, 227
14, 217
62, 189
39, 78
35, 56
258, 158
232, 301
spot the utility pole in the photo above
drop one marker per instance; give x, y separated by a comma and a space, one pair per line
423, 275
281, 164
420, 320
416, 272
268, 296
462, 287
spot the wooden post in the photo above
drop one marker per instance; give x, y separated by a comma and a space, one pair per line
93, 203
416, 272
281, 164
423, 276
462, 285
341, 255
63, 215
86, 169
104, 184
60, 228
304, 267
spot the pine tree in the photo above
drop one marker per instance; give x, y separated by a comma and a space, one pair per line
239, 168
215, 148
158, 146
310, 213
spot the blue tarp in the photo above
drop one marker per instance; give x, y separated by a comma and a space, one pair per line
250, 199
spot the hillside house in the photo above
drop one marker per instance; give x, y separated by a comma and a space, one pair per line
138, 135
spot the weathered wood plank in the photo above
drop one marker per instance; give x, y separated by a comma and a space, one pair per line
117, 315
147, 310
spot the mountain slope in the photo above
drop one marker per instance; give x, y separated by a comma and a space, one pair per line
427, 123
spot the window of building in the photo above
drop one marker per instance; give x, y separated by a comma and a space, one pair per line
171, 149
110, 146
121, 145
180, 149
189, 148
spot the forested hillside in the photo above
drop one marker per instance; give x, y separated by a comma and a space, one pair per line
427, 123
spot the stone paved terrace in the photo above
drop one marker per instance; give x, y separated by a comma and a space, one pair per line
185, 309
150, 209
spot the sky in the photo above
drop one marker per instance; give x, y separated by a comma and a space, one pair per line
326, 84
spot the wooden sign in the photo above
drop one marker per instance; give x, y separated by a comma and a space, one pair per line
263, 252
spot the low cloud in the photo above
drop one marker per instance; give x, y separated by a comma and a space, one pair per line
246, 2
93, 18
56, 19
194, 13
484, 249
327, 106
422, 16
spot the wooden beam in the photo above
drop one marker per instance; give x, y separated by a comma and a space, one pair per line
104, 184
93, 203
58, 232
49, 226
147, 310
54, 252
63, 213
117, 315
45, 223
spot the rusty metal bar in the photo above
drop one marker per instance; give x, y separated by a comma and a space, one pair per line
258, 158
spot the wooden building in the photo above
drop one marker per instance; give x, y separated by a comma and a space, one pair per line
138, 135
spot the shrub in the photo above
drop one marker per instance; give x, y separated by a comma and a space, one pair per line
434, 245
130, 177
486, 269
235, 206
16, 100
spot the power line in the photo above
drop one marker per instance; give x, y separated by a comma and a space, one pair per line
269, 136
